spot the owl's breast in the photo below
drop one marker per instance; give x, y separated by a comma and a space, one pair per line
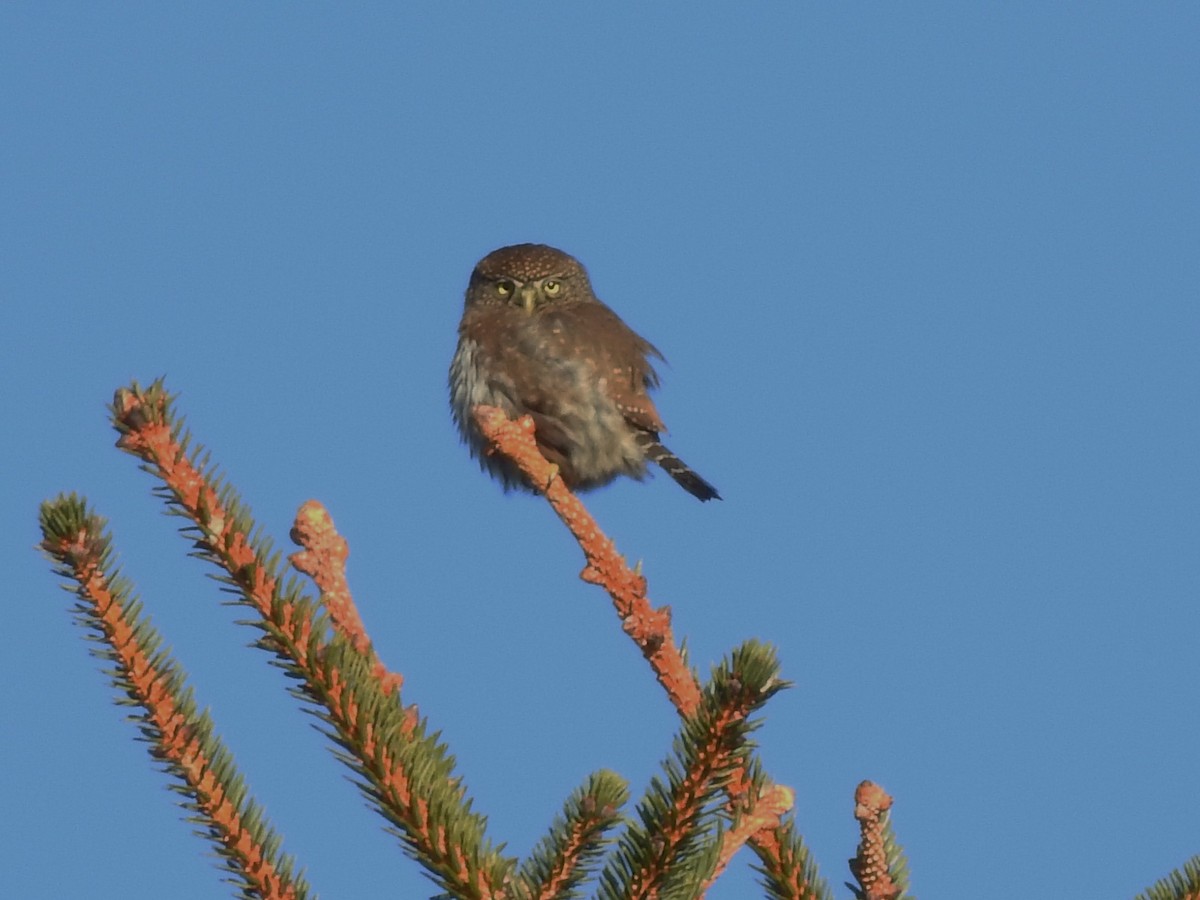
473, 382
533, 365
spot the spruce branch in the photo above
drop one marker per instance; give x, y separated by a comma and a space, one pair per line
649, 628
759, 805
566, 856
402, 768
674, 848
786, 864
180, 737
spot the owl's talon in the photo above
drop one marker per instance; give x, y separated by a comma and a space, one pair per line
553, 474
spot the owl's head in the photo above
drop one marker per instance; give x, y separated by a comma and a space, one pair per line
529, 277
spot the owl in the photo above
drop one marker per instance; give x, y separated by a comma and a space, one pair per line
535, 340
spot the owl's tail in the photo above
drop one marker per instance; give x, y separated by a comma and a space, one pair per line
676, 467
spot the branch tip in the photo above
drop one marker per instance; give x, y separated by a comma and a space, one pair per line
870, 865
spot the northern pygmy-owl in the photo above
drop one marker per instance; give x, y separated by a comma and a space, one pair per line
535, 340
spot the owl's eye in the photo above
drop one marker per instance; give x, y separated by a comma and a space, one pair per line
552, 288
505, 288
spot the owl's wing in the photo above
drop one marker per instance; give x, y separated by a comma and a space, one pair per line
621, 357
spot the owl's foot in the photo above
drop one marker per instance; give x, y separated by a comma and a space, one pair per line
553, 475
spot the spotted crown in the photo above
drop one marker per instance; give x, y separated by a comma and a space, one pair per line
528, 262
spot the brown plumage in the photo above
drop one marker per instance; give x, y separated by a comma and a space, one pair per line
534, 339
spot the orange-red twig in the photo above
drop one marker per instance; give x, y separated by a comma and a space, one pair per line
323, 559
173, 735
649, 628
870, 864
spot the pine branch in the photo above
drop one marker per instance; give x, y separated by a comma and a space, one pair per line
1182, 884
563, 859
181, 738
675, 848
786, 863
405, 771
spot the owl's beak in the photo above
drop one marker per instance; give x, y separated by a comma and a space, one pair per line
528, 298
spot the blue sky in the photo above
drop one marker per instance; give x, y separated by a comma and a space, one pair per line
926, 275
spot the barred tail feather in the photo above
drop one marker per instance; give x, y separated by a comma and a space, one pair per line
684, 476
